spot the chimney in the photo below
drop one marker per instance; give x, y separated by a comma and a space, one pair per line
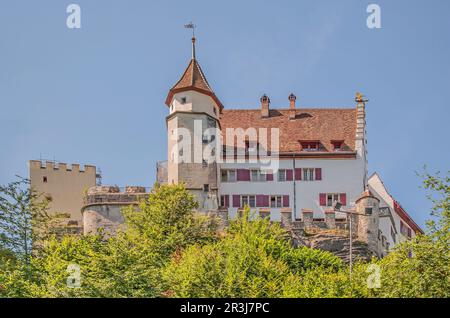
265, 101
292, 112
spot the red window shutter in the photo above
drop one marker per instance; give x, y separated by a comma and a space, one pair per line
260, 200
318, 173
323, 199
243, 175
298, 173
289, 175
266, 201
227, 201
286, 200
343, 198
239, 174
236, 201
269, 176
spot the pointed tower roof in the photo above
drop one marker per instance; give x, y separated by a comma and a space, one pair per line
193, 78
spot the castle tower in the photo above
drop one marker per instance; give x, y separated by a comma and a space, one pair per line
194, 116
64, 186
368, 218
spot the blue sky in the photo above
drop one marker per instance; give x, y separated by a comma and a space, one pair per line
96, 95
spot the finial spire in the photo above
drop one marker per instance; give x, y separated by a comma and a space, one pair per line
192, 26
193, 48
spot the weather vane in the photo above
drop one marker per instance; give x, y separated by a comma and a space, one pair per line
192, 26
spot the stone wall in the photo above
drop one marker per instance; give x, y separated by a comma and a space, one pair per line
104, 204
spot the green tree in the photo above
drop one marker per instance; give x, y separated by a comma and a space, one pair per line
128, 264
254, 259
24, 218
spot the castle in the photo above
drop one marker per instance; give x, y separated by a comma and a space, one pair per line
292, 165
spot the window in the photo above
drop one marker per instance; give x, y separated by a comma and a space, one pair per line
308, 174
331, 197
393, 234
310, 145
379, 235
281, 175
204, 163
249, 200
214, 110
222, 201
44, 179
206, 188
406, 231
368, 211
275, 201
257, 175
228, 175
183, 100
211, 122
337, 145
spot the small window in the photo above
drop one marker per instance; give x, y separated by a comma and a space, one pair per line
406, 231
257, 175
275, 201
281, 175
368, 211
224, 175
183, 100
44, 179
249, 200
337, 145
222, 201
231, 175
214, 110
211, 122
310, 145
206, 188
228, 175
308, 174
331, 197
204, 163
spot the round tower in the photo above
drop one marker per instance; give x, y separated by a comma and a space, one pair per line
192, 129
368, 215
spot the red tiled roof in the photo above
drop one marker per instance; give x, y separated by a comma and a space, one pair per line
406, 218
193, 78
366, 194
310, 124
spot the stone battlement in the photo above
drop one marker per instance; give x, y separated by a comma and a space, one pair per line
61, 166
101, 195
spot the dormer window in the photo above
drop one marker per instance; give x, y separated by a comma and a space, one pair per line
183, 100
309, 145
337, 145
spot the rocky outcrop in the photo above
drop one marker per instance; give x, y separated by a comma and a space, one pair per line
336, 243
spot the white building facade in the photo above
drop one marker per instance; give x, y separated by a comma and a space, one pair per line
320, 157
